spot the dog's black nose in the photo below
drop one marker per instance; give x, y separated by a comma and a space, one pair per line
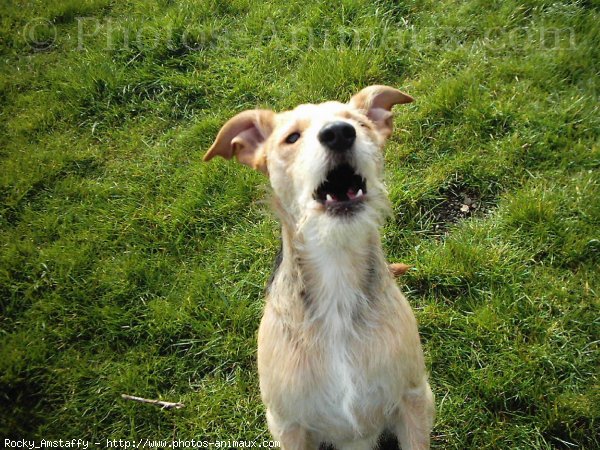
338, 136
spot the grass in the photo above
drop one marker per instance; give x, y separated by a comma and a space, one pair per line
128, 266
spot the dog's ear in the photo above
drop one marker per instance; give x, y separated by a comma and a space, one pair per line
377, 102
242, 136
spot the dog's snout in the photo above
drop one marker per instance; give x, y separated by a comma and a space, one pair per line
338, 136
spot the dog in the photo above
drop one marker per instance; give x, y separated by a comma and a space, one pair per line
340, 361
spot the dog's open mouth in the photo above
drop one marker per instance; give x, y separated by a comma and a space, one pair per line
342, 191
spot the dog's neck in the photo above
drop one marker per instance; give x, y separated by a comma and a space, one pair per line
333, 277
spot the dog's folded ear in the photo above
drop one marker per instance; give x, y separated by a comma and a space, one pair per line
377, 102
242, 136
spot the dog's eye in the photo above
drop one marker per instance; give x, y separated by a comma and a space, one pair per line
292, 138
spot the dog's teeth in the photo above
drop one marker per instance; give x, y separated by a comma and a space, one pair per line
329, 198
359, 193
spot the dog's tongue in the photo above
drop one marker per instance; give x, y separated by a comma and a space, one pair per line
350, 195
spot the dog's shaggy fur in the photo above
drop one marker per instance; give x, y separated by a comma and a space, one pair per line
339, 356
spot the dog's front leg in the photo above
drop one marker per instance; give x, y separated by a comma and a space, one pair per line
415, 418
361, 444
291, 437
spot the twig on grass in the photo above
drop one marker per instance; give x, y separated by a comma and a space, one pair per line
163, 405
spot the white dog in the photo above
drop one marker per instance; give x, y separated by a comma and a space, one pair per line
339, 356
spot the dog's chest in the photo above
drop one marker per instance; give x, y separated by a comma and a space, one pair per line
337, 390
324, 377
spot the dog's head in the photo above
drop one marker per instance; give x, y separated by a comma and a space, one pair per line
324, 161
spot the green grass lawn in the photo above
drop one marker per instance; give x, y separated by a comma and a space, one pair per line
129, 266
